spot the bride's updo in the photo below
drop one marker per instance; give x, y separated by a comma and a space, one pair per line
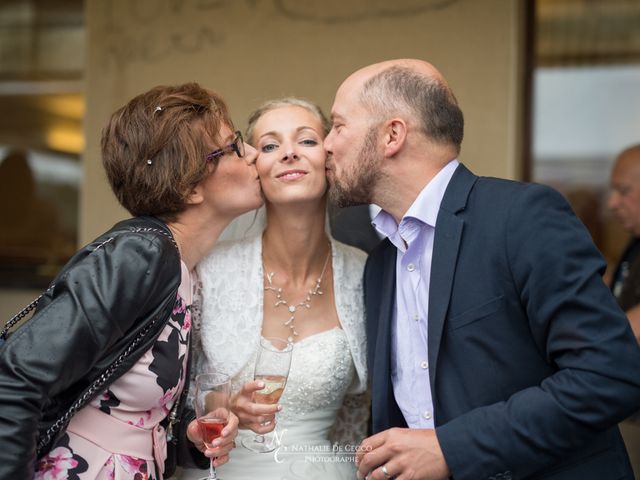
282, 103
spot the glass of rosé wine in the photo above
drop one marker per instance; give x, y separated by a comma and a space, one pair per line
272, 368
212, 409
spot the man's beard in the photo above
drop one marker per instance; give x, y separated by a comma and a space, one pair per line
356, 186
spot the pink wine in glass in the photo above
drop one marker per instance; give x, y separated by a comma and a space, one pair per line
273, 388
211, 428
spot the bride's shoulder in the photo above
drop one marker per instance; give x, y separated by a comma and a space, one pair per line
352, 257
231, 251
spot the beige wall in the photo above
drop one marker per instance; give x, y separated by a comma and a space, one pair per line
252, 50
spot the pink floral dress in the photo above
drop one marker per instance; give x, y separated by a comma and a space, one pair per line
142, 397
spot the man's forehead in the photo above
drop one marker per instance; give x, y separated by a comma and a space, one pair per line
625, 172
347, 95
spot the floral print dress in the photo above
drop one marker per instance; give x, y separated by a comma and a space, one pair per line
142, 397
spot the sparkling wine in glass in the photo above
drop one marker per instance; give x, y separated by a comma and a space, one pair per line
273, 388
212, 409
272, 368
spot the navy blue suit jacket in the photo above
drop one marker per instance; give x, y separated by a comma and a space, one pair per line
532, 362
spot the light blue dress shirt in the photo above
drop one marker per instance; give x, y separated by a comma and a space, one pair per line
413, 239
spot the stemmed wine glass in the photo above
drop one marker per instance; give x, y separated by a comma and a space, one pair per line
272, 368
212, 409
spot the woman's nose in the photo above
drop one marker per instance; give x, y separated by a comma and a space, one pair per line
250, 154
290, 154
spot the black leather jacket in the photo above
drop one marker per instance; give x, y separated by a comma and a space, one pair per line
105, 295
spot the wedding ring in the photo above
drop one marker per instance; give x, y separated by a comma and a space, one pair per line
385, 472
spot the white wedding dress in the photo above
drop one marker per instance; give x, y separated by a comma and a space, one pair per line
325, 409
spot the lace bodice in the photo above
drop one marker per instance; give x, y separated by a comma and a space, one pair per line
321, 372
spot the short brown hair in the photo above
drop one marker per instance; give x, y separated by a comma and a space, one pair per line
154, 147
429, 100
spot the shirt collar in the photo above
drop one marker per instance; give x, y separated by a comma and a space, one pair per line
424, 208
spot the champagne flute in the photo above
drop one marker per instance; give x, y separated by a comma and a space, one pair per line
272, 368
212, 409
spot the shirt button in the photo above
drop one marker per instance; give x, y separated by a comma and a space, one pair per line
416, 317
424, 365
411, 267
427, 415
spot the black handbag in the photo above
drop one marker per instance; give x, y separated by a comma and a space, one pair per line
172, 427
171, 462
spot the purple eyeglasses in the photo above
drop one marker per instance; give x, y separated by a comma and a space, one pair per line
237, 146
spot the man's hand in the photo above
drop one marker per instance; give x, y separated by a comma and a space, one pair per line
221, 445
406, 454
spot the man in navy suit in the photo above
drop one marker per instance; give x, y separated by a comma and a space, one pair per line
495, 349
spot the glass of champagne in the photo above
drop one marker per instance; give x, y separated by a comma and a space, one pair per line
212, 409
272, 368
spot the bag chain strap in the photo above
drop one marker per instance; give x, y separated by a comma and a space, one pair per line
23, 313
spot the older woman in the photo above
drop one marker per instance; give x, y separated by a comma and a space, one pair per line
293, 281
85, 383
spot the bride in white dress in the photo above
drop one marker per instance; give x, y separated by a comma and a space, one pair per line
248, 289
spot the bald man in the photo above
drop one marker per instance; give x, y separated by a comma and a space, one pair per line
495, 350
624, 202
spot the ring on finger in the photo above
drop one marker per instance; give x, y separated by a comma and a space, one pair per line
385, 472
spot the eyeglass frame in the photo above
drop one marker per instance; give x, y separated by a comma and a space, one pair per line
237, 146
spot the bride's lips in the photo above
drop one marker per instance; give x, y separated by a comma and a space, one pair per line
291, 175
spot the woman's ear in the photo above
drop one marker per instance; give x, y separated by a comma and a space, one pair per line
394, 134
196, 196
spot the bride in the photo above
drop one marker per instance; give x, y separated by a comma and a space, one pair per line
248, 289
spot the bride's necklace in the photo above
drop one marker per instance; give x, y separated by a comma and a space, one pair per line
269, 286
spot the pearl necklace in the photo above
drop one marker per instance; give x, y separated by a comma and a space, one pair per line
269, 286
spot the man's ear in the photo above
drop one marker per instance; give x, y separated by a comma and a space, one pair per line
395, 135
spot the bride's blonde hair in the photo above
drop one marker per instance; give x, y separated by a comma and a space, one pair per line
282, 103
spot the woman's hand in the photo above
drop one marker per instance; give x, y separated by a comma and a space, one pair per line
221, 445
260, 418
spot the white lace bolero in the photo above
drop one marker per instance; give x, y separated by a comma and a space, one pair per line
230, 301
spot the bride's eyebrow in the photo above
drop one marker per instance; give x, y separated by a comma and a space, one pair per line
305, 127
271, 133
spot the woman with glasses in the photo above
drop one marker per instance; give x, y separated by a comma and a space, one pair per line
290, 280
87, 384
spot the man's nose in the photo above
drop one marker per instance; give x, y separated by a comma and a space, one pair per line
328, 141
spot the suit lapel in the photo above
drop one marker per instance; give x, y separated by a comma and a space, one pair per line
446, 243
443, 265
